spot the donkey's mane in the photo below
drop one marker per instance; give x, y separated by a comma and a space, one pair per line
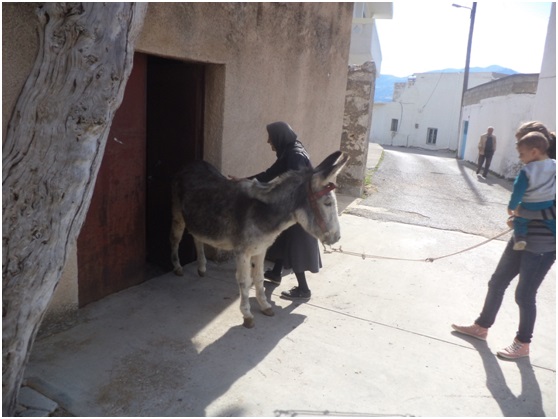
277, 189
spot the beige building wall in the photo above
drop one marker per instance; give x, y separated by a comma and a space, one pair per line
19, 48
265, 62
272, 61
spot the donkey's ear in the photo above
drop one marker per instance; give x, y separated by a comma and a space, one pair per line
331, 166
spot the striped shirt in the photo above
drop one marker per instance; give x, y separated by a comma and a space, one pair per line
539, 238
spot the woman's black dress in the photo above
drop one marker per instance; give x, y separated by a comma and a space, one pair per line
297, 249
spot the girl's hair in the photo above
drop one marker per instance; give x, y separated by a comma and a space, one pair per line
536, 126
552, 146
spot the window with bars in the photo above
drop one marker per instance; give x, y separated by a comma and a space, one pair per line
431, 135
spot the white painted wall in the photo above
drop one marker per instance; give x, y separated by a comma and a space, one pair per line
505, 114
432, 100
365, 43
544, 109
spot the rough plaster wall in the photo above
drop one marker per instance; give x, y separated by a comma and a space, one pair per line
19, 49
282, 61
356, 127
213, 113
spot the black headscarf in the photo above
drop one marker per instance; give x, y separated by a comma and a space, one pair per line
290, 152
282, 136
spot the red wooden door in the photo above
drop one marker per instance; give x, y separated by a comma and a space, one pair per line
112, 243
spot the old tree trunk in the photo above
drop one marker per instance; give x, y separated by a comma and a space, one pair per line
50, 157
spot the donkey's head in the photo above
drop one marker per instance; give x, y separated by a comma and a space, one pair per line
319, 216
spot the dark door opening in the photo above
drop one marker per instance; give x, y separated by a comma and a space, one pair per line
158, 127
175, 101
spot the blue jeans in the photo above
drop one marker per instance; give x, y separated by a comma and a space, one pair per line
532, 268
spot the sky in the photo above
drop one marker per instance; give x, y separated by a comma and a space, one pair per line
432, 35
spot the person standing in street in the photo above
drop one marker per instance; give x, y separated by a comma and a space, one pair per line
487, 147
532, 264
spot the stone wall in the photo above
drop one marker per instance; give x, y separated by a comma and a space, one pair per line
356, 126
514, 84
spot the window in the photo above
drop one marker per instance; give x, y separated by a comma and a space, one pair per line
431, 136
394, 123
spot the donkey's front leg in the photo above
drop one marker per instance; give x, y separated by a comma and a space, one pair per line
244, 283
258, 278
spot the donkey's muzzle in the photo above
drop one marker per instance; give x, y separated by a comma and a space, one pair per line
331, 237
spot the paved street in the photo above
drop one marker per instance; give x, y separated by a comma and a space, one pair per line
434, 189
374, 340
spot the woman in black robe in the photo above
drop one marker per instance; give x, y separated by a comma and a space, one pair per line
294, 249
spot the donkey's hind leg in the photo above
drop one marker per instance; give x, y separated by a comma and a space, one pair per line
258, 279
177, 230
202, 261
244, 280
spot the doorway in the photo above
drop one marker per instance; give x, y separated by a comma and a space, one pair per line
158, 127
175, 102
464, 139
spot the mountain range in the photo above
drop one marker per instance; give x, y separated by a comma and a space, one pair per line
384, 83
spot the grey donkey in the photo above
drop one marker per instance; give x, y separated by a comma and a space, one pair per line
247, 216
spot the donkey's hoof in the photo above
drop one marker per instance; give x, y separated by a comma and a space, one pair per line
178, 272
201, 273
248, 323
268, 312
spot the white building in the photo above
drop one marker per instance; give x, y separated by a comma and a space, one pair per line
365, 43
545, 101
503, 104
425, 111
508, 103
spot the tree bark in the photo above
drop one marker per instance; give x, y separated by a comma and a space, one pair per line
50, 158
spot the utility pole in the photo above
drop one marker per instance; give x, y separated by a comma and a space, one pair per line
467, 65
469, 43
